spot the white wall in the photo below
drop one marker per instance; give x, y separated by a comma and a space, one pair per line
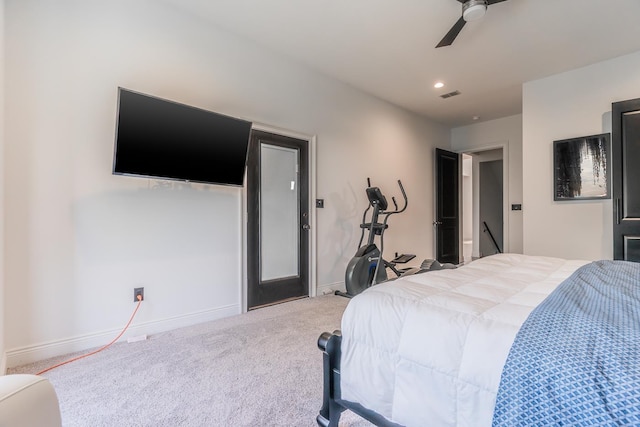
79, 239
572, 104
505, 132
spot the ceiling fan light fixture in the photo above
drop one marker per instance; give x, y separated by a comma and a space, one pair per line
473, 9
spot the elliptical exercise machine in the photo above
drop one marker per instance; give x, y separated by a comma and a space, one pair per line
367, 267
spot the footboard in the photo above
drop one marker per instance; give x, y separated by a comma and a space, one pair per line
330, 412
332, 404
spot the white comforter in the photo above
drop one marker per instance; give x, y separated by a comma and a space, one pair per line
428, 349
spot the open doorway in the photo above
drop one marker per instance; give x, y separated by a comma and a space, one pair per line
490, 216
483, 190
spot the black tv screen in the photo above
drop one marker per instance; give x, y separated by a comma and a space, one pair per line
164, 139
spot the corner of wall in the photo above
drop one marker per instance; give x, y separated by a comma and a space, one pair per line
3, 355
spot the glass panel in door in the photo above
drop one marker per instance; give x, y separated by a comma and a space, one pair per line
279, 208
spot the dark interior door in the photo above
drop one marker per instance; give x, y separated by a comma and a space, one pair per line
447, 222
278, 219
625, 156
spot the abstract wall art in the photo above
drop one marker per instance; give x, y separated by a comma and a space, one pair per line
581, 168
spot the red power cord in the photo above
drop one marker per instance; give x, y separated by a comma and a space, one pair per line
101, 348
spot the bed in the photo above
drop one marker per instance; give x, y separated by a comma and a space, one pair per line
499, 341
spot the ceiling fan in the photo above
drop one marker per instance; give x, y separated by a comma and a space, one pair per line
471, 10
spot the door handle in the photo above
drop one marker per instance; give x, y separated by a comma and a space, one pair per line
306, 227
437, 223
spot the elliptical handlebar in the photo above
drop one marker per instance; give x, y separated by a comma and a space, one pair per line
404, 195
376, 198
384, 226
395, 204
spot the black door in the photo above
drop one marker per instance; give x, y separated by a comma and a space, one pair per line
278, 219
447, 222
625, 156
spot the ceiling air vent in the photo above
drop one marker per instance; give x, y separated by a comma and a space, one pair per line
450, 94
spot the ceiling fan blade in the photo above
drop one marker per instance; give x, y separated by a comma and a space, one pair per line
490, 2
453, 33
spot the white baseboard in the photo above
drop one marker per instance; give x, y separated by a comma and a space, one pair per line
330, 288
29, 354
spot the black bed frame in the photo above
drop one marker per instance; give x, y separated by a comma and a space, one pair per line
332, 404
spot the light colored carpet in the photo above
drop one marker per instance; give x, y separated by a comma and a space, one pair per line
254, 369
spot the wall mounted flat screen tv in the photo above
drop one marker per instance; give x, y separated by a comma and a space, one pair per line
157, 138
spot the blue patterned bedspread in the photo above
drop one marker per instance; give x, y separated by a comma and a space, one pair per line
576, 359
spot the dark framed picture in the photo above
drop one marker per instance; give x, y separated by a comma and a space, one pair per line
581, 168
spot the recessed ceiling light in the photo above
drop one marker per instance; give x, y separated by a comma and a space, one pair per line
438, 85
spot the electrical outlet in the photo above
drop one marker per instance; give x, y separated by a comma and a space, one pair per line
136, 292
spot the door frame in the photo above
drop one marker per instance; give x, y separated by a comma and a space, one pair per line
504, 146
311, 157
